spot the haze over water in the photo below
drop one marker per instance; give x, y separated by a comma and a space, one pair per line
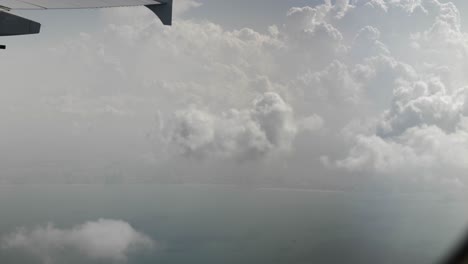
223, 224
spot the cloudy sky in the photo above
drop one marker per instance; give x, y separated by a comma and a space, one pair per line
359, 94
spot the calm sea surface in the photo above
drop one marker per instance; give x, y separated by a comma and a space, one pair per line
220, 224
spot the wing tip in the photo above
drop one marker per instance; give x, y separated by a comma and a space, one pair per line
163, 11
13, 25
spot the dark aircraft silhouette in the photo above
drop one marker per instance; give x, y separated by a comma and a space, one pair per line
12, 25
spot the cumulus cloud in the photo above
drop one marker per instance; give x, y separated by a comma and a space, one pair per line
103, 240
381, 84
418, 99
423, 103
267, 127
426, 147
185, 5
425, 128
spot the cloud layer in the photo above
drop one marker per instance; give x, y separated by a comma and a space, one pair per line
375, 88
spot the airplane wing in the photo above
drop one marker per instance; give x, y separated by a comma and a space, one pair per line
66, 4
11, 25
70, 4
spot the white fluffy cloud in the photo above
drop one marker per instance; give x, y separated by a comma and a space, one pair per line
425, 147
267, 127
425, 128
103, 240
413, 77
381, 84
183, 6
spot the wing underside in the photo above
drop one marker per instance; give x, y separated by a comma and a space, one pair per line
72, 4
12, 25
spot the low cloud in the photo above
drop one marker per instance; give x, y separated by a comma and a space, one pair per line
267, 127
102, 240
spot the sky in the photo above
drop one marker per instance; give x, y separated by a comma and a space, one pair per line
356, 95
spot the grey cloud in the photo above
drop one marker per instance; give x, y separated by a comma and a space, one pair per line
367, 43
311, 123
335, 84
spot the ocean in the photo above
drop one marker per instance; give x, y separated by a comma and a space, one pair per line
213, 224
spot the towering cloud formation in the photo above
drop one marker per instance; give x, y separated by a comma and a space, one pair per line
381, 85
268, 126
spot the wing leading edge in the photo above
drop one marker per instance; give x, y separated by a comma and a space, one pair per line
11, 25
72, 4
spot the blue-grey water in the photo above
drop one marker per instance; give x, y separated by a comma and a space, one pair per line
221, 224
